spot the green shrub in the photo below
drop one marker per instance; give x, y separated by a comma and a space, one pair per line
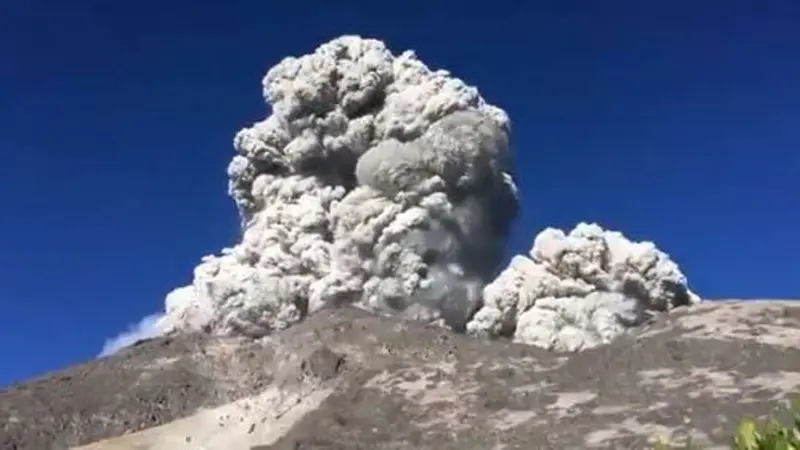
771, 434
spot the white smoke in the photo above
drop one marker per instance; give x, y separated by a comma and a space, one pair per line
146, 328
381, 183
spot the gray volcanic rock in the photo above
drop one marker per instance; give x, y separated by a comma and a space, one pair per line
347, 379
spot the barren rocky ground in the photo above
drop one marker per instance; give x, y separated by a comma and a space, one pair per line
345, 379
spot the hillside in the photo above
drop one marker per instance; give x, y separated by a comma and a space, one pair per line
347, 379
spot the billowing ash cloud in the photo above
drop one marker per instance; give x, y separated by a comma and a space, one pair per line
580, 290
381, 183
376, 182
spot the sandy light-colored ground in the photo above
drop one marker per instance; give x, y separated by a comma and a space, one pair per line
345, 379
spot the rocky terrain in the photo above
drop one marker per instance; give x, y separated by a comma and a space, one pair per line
348, 379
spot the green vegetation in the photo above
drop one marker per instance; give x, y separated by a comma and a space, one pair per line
751, 434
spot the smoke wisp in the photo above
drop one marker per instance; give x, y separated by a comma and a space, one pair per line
146, 328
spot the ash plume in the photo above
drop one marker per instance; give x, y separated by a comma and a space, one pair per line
381, 183
376, 181
580, 289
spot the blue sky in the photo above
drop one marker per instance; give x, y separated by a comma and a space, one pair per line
676, 123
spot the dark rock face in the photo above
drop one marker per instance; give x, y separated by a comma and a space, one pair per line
345, 379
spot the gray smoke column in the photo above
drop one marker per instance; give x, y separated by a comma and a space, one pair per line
376, 181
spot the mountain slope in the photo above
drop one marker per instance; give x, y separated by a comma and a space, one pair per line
347, 379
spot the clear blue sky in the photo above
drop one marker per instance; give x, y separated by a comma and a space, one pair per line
674, 123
